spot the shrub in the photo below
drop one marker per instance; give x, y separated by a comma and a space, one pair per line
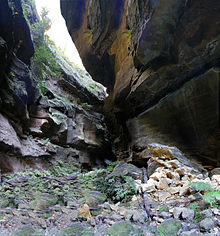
210, 194
128, 34
43, 58
86, 106
212, 198
44, 63
90, 34
117, 188
201, 186
112, 165
195, 206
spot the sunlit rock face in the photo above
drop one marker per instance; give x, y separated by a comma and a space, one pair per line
160, 60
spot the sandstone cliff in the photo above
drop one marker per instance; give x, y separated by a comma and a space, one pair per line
160, 62
46, 111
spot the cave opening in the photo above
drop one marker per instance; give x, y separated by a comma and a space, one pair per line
59, 34
58, 31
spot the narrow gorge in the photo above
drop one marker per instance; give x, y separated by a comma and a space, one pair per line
130, 145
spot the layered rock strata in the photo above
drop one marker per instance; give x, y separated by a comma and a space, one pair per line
160, 62
62, 122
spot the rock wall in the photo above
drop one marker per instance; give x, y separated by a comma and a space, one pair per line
160, 61
38, 128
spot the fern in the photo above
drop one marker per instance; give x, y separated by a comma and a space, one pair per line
201, 187
117, 188
112, 165
212, 197
195, 207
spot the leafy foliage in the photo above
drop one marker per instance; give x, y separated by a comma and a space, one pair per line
11, 74
86, 106
195, 206
117, 188
112, 165
38, 181
64, 169
210, 194
26, 5
212, 198
44, 61
90, 34
201, 187
128, 34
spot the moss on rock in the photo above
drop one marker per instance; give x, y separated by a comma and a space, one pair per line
77, 229
169, 227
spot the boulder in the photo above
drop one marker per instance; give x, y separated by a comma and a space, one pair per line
206, 213
93, 198
9, 140
206, 224
215, 171
175, 156
184, 213
77, 229
169, 227
193, 232
123, 169
34, 148
43, 201
150, 186
37, 126
123, 228
28, 230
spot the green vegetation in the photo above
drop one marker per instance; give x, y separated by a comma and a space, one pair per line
11, 74
44, 63
64, 169
26, 5
27, 231
86, 105
77, 229
128, 34
40, 189
195, 206
90, 34
50, 61
38, 183
212, 198
210, 194
122, 228
112, 165
169, 228
201, 187
163, 209
117, 188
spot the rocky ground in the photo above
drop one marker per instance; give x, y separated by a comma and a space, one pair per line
67, 200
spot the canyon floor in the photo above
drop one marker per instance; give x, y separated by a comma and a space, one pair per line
120, 200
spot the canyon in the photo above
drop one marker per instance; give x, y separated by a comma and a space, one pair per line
131, 145
160, 63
